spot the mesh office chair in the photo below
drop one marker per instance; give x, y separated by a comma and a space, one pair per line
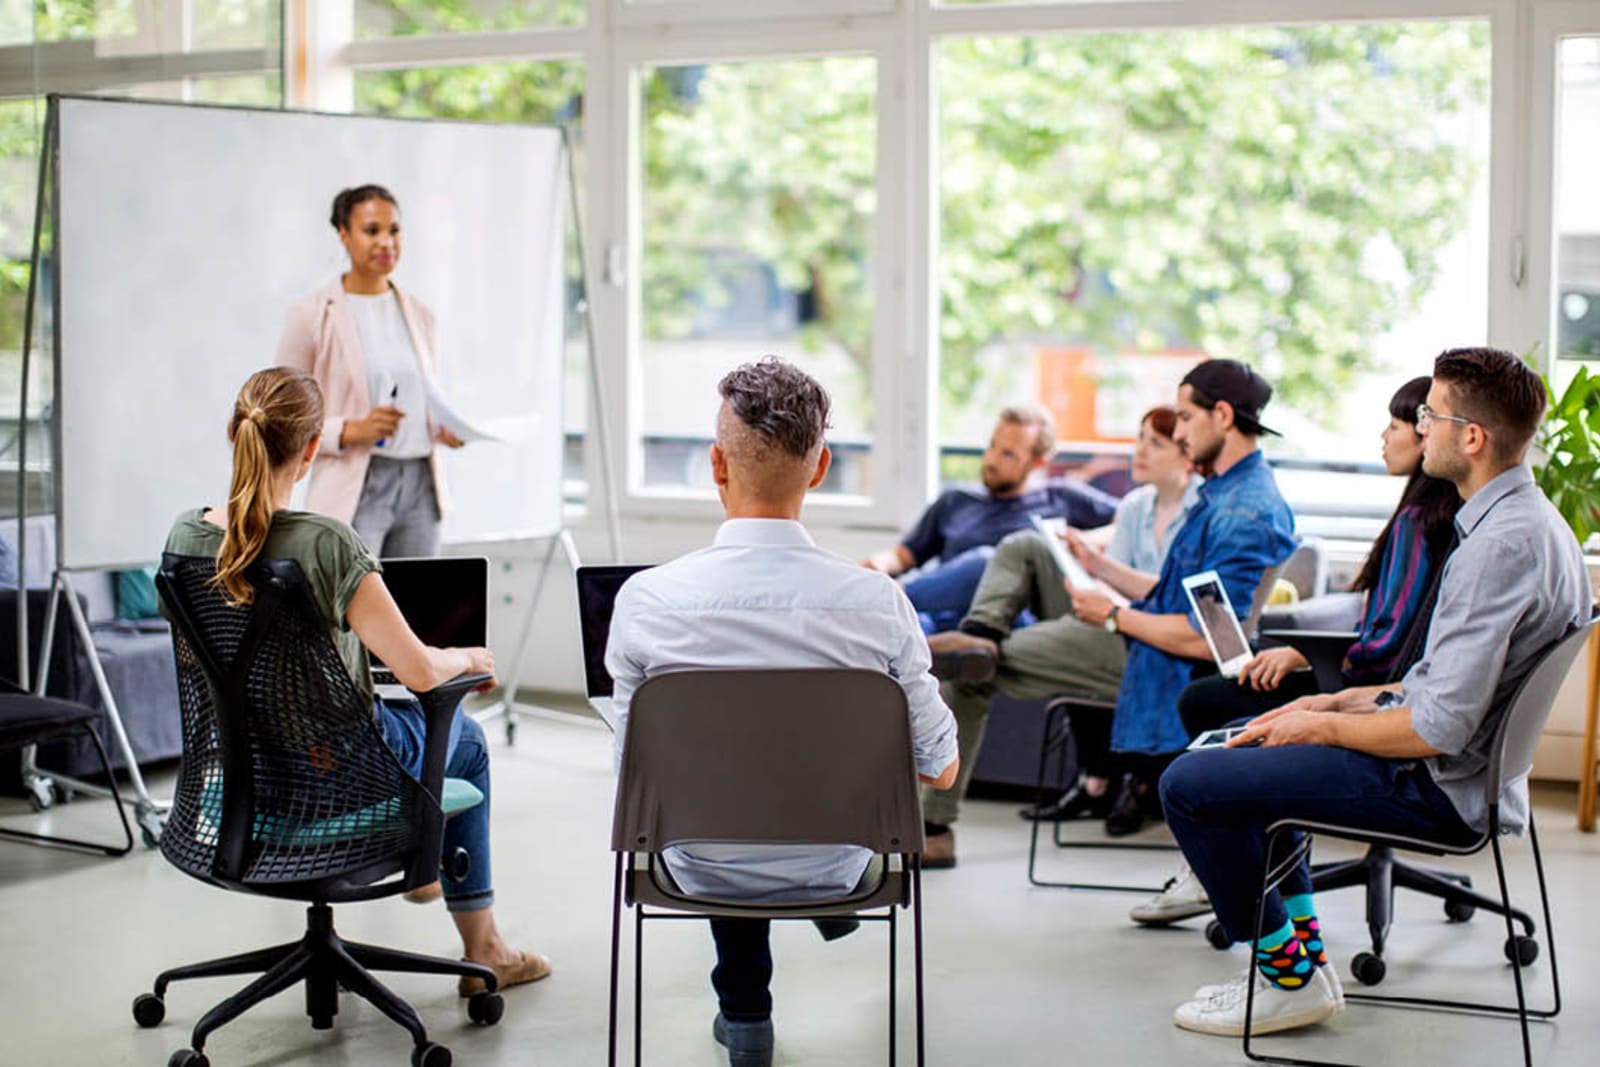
766, 757
288, 790
1056, 741
1516, 736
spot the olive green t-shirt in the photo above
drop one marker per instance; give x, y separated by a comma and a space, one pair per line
329, 552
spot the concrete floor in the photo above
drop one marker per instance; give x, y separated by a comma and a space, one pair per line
1016, 975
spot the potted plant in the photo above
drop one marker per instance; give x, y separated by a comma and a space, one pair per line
1569, 443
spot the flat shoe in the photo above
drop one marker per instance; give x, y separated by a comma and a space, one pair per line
529, 968
423, 894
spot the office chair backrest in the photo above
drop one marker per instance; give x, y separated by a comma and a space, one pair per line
792, 756
1519, 729
1258, 601
284, 776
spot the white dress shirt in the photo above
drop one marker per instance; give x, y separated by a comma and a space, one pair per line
763, 595
394, 374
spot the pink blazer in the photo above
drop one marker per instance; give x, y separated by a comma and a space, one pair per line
320, 338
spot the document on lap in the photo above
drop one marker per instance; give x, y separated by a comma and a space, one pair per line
1076, 576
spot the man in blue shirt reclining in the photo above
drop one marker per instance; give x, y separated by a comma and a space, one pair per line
961, 527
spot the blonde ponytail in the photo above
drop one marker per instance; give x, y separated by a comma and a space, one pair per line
275, 416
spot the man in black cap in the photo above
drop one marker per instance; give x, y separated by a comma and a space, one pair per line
1146, 652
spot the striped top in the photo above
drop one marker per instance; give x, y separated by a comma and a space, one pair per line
1393, 603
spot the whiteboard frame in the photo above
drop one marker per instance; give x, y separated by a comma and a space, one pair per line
51, 171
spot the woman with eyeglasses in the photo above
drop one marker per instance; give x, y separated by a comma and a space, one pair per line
1396, 577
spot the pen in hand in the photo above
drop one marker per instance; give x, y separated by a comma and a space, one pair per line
394, 394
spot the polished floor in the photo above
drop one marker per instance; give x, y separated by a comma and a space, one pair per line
1017, 976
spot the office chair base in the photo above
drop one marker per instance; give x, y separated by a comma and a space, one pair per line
326, 964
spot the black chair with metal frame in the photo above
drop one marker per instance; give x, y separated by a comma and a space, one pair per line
1056, 739
288, 790
26, 720
767, 757
1516, 736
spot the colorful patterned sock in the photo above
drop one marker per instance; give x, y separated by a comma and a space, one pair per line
1303, 914
1282, 959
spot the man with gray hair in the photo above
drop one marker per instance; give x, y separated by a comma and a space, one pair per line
763, 595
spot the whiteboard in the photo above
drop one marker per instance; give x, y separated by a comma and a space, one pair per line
185, 233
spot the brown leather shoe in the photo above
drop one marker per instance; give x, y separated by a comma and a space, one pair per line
530, 968
940, 851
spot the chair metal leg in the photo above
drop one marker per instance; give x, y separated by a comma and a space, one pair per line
76, 844
894, 989
284, 974
1380, 904
379, 958
259, 961
638, 985
916, 936
1516, 958
1056, 734
365, 985
1549, 930
616, 950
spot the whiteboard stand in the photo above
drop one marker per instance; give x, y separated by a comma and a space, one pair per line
600, 434
506, 701
42, 784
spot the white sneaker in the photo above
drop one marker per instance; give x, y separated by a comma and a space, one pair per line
1274, 1010
1207, 992
1183, 897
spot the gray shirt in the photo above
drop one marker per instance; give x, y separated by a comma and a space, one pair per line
1515, 585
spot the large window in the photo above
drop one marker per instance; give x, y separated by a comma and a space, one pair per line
1311, 200
388, 18
1577, 208
758, 207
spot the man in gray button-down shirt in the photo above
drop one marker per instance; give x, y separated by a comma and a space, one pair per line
1407, 758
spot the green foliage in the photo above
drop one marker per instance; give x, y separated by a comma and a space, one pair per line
385, 18
1569, 437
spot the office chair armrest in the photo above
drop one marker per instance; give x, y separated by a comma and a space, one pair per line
439, 705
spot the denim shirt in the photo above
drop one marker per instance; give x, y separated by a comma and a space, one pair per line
1240, 527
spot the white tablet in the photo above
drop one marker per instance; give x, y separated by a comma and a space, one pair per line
1218, 624
1070, 567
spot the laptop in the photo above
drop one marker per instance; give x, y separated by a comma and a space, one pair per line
444, 599
597, 597
1218, 624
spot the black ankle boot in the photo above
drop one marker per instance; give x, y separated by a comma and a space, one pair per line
1075, 803
1127, 814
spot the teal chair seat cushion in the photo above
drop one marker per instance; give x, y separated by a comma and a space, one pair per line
457, 795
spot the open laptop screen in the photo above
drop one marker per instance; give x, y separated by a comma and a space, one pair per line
597, 597
444, 599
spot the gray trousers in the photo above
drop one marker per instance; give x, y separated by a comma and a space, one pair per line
1058, 654
398, 514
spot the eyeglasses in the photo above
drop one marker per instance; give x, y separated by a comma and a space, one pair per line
1425, 415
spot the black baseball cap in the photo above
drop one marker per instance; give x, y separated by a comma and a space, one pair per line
1245, 391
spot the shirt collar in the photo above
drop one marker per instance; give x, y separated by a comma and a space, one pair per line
763, 532
1495, 490
1244, 466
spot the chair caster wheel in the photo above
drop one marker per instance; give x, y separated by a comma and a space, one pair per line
1459, 911
149, 1010
486, 1008
1218, 936
1521, 950
1368, 969
188, 1057
429, 1055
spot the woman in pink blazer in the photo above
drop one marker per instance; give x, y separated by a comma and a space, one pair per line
372, 347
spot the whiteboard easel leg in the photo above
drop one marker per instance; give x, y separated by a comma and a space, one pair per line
506, 702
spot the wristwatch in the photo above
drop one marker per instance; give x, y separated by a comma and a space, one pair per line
1111, 619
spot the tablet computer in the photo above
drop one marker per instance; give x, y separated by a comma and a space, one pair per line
1218, 623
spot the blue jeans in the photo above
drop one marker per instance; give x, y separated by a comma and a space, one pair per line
1220, 801
943, 594
404, 727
